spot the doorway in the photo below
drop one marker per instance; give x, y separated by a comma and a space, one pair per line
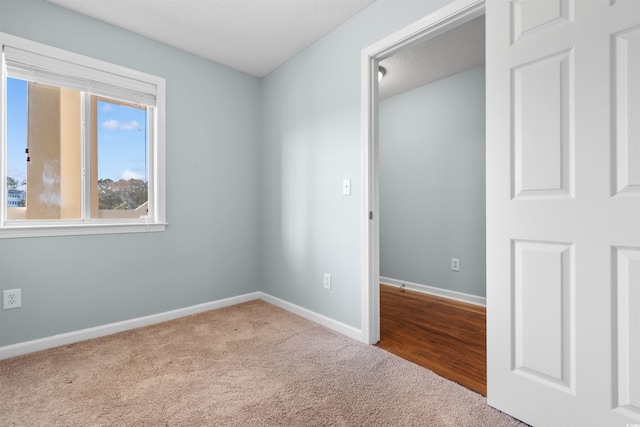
448, 19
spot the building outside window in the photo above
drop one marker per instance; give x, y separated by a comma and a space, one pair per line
15, 198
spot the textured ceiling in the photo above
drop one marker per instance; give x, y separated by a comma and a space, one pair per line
253, 36
457, 50
256, 36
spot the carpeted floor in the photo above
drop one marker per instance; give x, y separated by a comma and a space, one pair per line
252, 364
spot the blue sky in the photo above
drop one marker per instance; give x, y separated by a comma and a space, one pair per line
16, 128
121, 142
121, 137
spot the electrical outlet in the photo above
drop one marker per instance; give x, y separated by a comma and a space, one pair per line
327, 281
12, 299
455, 264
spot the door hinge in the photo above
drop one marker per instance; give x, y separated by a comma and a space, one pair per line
370, 214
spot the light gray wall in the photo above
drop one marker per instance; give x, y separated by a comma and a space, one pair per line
287, 141
210, 249
311, 143
432, 184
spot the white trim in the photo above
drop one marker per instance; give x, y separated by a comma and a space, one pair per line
79, 229
332, 324
450, 16
439, 292
112, 328
370, 255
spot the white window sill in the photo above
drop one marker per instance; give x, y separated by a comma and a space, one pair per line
17, 231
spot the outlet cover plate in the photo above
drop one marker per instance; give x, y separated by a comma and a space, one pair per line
11, 298
327, 281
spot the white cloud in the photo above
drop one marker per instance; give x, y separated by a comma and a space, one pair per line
18, 174
116, 125
127, 175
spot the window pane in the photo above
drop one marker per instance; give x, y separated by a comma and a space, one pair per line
16, 144
46, 120
122, 175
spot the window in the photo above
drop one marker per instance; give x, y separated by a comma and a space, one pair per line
82, 144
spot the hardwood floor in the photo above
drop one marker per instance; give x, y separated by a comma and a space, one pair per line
446, 336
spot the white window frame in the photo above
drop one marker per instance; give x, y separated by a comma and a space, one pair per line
155, 221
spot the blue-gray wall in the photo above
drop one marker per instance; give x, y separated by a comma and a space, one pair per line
312, 141
209, 250
432, 184
285, 142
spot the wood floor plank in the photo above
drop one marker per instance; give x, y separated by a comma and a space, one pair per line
446, 336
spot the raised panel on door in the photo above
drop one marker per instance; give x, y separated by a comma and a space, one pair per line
542, 127
543, 292
532, 16
627, 312
626, 83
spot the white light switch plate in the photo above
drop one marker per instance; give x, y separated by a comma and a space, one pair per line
346, 187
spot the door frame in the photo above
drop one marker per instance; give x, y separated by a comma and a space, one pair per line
442, 20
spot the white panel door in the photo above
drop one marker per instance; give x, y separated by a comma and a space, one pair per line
563, 211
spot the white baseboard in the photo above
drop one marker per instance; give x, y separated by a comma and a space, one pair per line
112, 328
432, 290
325, 321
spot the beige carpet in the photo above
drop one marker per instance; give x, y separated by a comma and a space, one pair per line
252, 364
